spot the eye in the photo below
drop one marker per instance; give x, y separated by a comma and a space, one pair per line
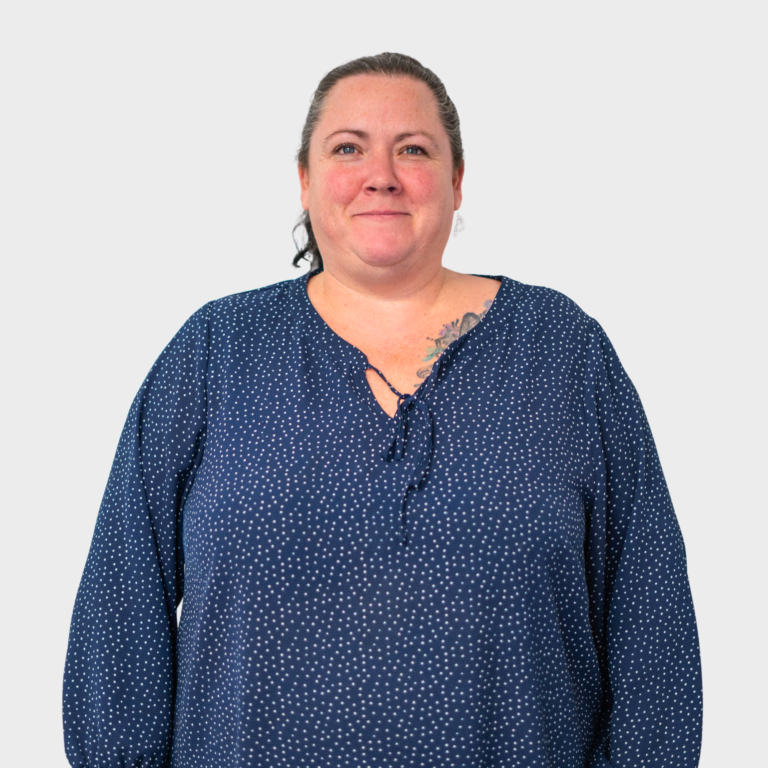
414, 150
344, 149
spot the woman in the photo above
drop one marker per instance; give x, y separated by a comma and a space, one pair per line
417, 517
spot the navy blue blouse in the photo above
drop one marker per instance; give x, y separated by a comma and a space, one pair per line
493, 577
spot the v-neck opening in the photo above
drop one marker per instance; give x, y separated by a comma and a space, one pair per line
488, 320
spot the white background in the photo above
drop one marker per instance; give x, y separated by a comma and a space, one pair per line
614, 151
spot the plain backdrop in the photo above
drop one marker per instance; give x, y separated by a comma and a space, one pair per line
614, 151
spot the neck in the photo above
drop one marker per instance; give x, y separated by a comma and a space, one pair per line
382, 294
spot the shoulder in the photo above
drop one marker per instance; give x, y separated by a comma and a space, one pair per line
266, 313
269, 306
555, 328
548, 311
278, 296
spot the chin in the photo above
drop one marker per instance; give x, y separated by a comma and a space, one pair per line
379, 257
384, 251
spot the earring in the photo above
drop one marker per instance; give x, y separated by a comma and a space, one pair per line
459, 225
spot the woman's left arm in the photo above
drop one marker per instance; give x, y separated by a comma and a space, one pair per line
641, 607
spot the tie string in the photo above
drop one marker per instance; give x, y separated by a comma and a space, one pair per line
411, 440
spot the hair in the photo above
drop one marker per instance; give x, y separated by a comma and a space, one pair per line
392, 65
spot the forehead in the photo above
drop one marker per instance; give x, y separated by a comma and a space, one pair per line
382, 101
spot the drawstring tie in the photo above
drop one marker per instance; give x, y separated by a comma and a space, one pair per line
411, 440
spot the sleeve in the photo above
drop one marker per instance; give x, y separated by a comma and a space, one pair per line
641, 607
119, 676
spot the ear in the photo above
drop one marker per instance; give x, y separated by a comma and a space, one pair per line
304, 181
458, 178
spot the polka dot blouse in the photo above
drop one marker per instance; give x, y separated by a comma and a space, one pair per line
493, 577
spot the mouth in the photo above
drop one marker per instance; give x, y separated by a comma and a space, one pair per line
382, 213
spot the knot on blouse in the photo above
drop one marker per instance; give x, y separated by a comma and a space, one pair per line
411, 441
412, 437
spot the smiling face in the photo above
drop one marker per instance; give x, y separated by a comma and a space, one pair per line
380, 187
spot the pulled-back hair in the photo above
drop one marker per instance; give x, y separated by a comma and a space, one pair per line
393, 65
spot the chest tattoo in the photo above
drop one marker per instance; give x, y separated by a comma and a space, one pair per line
448, 333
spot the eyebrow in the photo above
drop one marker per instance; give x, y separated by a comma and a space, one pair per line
399, 137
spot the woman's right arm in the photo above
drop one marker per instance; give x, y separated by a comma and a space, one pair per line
119, 678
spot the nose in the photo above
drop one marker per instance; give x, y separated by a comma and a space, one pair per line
382, 175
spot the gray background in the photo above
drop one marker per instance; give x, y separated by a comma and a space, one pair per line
615, 152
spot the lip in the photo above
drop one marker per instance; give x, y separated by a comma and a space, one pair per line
382, 213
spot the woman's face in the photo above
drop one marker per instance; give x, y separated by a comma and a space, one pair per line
380, 187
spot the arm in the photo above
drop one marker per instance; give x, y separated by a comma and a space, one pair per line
119, 678
640, 600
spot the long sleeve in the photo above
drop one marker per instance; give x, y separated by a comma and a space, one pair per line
640, 600
120, 671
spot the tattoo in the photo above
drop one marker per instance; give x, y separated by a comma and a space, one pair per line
448, 334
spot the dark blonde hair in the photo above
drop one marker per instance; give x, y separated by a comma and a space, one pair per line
393, 65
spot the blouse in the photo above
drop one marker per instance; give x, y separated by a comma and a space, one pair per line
495, 576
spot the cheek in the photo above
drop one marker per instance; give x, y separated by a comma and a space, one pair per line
427, 187
339, 186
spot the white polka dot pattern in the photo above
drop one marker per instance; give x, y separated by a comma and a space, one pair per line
495, 577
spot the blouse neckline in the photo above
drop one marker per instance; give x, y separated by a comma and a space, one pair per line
346, 352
